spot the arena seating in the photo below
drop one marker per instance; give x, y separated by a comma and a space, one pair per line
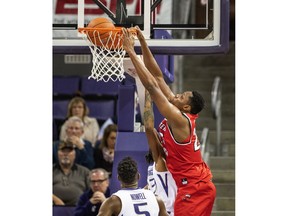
60, 108
65, 87
90, 88
101, 98
63, 210
101, 109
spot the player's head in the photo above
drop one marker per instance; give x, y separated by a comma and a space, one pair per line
189, 102
148, 157
197, 102
128, 171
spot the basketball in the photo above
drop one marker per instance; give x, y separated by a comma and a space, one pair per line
100, 37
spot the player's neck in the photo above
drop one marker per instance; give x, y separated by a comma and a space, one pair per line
132, 185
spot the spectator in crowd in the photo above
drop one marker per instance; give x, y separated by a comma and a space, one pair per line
70, 179
131, 200
84, 150
104, 154
77, 107
91, 200
102, 129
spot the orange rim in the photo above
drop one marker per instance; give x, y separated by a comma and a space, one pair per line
105, 30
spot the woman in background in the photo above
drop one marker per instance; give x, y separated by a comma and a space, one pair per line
77, 107
104, 153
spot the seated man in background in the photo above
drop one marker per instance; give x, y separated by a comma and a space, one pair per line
56, 200
84, 150
90, 201
70, 179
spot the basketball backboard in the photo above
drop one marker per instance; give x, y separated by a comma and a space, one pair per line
170, 26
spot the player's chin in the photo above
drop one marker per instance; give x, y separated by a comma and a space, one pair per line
174, 102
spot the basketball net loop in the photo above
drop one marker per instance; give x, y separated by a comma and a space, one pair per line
108, 54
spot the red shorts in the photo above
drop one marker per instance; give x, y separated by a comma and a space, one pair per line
195, 199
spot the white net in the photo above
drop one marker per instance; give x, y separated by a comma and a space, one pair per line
108, 55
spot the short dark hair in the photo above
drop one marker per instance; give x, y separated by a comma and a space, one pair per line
149, 157
127, 170
197, 102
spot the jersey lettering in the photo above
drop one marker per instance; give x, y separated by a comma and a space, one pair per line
162, 126
137, 196
70, 7
196, 143
160, 136
162, 141
151, 179
164, 183
153, 185
137, 209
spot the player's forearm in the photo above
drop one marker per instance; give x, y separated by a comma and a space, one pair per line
150, 84
154, 68
148, 57
148, 112
150, 61
149, 126
146, 78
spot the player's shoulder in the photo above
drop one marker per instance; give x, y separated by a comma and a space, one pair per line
114, 198
111, 206
113, 202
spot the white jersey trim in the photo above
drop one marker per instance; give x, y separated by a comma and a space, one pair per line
191, 133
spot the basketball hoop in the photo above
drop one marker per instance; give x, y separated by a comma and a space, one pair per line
107, 51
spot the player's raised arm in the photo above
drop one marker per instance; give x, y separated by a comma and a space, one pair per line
167, 109
152, 65
149, 127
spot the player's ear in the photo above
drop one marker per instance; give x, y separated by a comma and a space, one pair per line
138, 176
187, 108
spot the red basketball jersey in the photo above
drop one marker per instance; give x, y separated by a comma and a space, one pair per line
184, 160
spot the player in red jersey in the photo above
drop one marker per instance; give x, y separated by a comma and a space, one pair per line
177, 132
